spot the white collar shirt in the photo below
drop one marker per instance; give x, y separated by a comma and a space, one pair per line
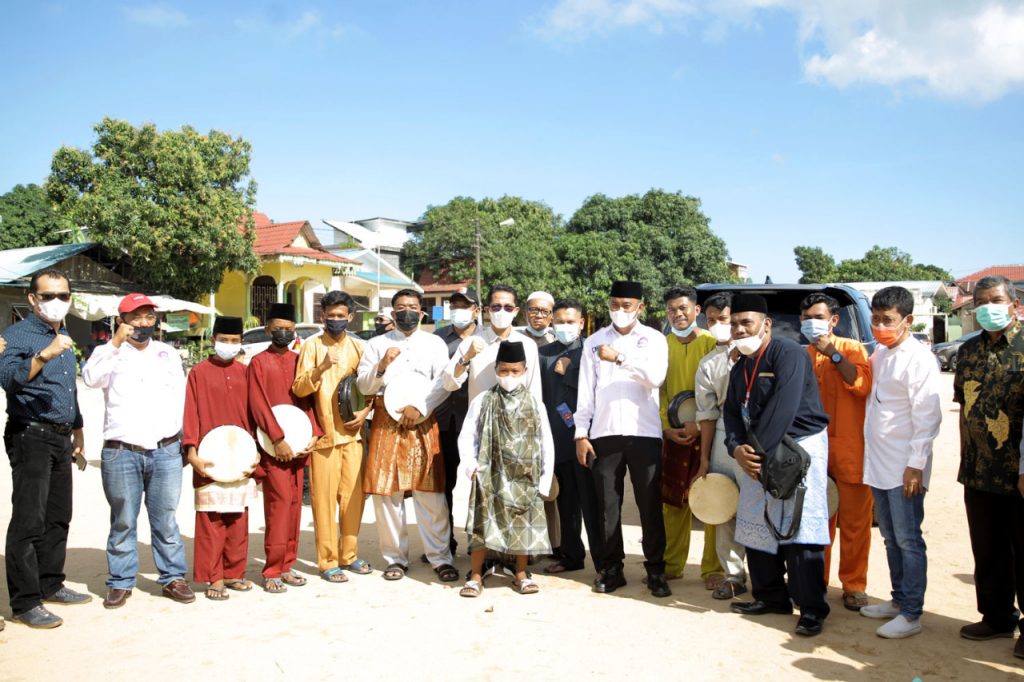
420, 352
480, 372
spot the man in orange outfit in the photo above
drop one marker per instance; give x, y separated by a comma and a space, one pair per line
844, 382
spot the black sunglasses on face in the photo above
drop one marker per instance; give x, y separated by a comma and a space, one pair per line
508, 307
47, 296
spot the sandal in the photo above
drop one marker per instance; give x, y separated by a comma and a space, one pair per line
334, 575
292, 578
217, 593
852, 601
471, 589
240, 585
713, 582
559, 567
359, 567
274, 585
447, 573
729, 589
526, 586
395, 572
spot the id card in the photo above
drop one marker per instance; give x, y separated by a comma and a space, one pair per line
566, 414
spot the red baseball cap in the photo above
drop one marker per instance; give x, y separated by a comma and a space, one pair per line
134, 301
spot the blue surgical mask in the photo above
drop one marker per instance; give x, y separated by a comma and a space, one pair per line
227, 351
994, 317
682, 333
812, 329
335, 327
567, 333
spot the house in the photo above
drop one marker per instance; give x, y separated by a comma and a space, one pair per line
437, 289
376, 281
927, 295
963, 306
386, 236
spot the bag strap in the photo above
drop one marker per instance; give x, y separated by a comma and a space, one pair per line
794, 526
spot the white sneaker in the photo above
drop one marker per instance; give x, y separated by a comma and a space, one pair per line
883, 611
899, 627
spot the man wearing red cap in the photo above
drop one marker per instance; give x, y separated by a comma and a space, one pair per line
144, 391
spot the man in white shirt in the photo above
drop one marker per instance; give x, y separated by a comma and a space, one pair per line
903, 415
618, 425
144, 392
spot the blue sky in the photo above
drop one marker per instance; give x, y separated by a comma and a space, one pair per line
822, 122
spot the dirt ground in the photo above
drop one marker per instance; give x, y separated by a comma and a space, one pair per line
420, 629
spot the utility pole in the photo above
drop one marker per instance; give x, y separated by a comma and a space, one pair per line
478, 282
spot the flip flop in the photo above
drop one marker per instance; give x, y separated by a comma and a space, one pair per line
334, 575
853, 601
217, 594
292, 578
712, 582
471, 589
359, 567
395, 572
447, 573
526, 586
729, 589
241, 585
274, 586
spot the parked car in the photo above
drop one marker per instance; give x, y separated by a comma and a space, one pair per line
946, 352
256, 340
784, 307
923, 338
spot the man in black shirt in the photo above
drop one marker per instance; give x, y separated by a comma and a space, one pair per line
773, 393
43, 435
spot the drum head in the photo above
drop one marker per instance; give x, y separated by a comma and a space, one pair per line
714, 499
405, 389
350, 398
298, 431
833, 497
682, 408
232, 451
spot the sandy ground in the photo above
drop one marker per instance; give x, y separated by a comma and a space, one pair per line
418, 628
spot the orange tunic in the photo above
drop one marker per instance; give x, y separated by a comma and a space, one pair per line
845, 406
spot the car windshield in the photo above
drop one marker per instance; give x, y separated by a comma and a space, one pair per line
306, 332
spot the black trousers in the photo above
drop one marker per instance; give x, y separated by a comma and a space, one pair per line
806, 586
577, 507
37, 537
642, 456
996, 526
450, 452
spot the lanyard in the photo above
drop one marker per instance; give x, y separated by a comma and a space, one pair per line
750, 377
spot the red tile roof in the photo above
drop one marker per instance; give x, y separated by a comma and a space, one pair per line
275, 239
1014, 273
441, 284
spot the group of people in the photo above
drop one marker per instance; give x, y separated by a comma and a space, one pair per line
542, 424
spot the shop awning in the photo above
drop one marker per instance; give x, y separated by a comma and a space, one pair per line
99, 306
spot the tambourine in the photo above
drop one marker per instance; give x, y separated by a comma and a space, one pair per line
714, 499
405, 389
682, 408
350, 398
232, 452
832, 497
298, 431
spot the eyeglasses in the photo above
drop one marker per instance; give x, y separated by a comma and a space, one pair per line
497, 308
538, 312
48, 296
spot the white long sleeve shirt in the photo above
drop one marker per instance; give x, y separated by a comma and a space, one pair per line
421, 352
904, 412
143, 390
469, 443
712, 383
480, 372
622, 400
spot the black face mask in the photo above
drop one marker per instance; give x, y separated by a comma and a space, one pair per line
407, 320
335, 327
282, 338
143, 334
382, 328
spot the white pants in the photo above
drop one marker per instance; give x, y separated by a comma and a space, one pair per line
431, 517
730, 553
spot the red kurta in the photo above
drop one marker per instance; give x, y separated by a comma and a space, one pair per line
270, 383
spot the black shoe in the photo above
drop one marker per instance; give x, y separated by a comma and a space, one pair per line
809, 625
759, 608
1018, 648
38, 617
609, 581
658, 585
68, 597
982, 631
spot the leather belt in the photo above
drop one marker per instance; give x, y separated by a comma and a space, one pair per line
62, 429
121, 445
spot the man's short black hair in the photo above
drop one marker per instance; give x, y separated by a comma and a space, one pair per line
567, 304
993, 281
407, 293
52, 273
333, 298
719, 301
816, 298
894, 297
502, 287
680, 292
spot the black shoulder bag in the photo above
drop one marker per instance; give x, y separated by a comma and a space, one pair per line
782, 476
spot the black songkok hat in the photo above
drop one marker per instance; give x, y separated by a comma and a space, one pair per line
281, 311
627, 289
227, 325
749, 303
511, 351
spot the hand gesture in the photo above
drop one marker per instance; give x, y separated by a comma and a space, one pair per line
3, 344
562, 365
283, 451
59, 344
410, 416
357, 422
198, 464
332, 358
824, 345
607, 353
749, 460
123, 333
476, 346
388, 358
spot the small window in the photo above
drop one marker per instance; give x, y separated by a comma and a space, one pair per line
256, 336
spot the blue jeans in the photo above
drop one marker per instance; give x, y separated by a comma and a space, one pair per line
127, 475
899, 520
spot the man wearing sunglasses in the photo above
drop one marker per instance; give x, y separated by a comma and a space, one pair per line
43, 435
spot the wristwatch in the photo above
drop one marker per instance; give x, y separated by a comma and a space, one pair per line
619, 359
836, 357
464, 362
39, 356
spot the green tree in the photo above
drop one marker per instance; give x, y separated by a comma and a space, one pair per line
659, 239
521, 255
885, 264
26, 218
815, 265
178, 203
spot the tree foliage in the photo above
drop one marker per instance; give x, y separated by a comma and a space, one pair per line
880, 264
27, 219
178, 204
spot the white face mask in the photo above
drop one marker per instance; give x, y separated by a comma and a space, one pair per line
683, 333
462, 317
54, 310
227, 351
567, 333
502, 319
511, 382
536, 332
721, 331
623, 318
749, 345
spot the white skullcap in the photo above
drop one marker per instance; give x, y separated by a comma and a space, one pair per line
541, 296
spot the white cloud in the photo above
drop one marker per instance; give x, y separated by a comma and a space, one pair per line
157, 16
962, 50
308, 24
